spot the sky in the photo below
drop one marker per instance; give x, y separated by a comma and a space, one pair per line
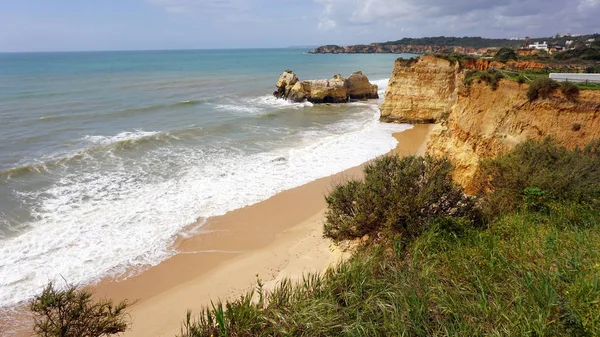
69, 25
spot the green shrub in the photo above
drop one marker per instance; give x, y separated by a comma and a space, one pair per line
491, 77
521, 79
592, 69
591, 55
398, 195
512, 180
71, 312
541, 87
505, 54
569, 89
454, 57
535, 199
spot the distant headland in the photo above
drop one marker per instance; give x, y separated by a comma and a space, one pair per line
465, 45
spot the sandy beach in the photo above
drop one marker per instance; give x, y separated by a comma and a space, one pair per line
277, 238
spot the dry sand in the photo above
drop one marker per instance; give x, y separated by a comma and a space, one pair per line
279, 237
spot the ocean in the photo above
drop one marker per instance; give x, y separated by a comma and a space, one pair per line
106, 158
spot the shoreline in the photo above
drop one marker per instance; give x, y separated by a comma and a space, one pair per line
274, 239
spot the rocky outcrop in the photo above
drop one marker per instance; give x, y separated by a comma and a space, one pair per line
329, 49
335, 90
285, 83
475, 63
321, 91
527, 52
359, 87
420, 90
479, 122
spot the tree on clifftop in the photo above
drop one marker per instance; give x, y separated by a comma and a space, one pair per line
505, 54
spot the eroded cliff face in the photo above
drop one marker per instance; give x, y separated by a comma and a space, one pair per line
420, 91
482, 123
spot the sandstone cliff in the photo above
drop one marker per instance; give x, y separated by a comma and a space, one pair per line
335, 90
478, 122
420, 90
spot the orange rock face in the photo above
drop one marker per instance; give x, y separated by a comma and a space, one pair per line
527, 52
479, 64
484, 123
526, 65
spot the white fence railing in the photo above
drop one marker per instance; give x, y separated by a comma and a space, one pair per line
577, 78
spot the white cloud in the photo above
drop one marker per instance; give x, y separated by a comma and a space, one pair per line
326, 24
462, 17
586, 5
372, 10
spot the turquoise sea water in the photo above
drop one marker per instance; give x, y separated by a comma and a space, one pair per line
106, 157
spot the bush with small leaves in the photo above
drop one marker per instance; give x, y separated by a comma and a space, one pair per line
505, 54
72, 312
570, 90
592, 69
538, 172
542, 87
491, 77
399, 195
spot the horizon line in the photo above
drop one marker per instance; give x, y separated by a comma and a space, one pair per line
145, 50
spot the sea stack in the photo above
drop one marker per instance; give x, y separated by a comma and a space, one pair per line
335, 90
359, 87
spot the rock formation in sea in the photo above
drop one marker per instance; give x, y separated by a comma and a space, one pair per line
359, 87
475, 121
335, 90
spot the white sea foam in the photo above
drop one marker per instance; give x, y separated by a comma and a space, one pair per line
239, 108
129, 135
381, 86
260, 105
95, 223
274, 102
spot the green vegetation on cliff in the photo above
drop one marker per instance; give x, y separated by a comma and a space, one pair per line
505, 54
533, 269
491, 77
449, 41
444, 43
562, 176
541, 88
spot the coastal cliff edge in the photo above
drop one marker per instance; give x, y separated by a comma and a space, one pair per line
476, 121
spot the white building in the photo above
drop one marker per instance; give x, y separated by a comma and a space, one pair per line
539, 46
